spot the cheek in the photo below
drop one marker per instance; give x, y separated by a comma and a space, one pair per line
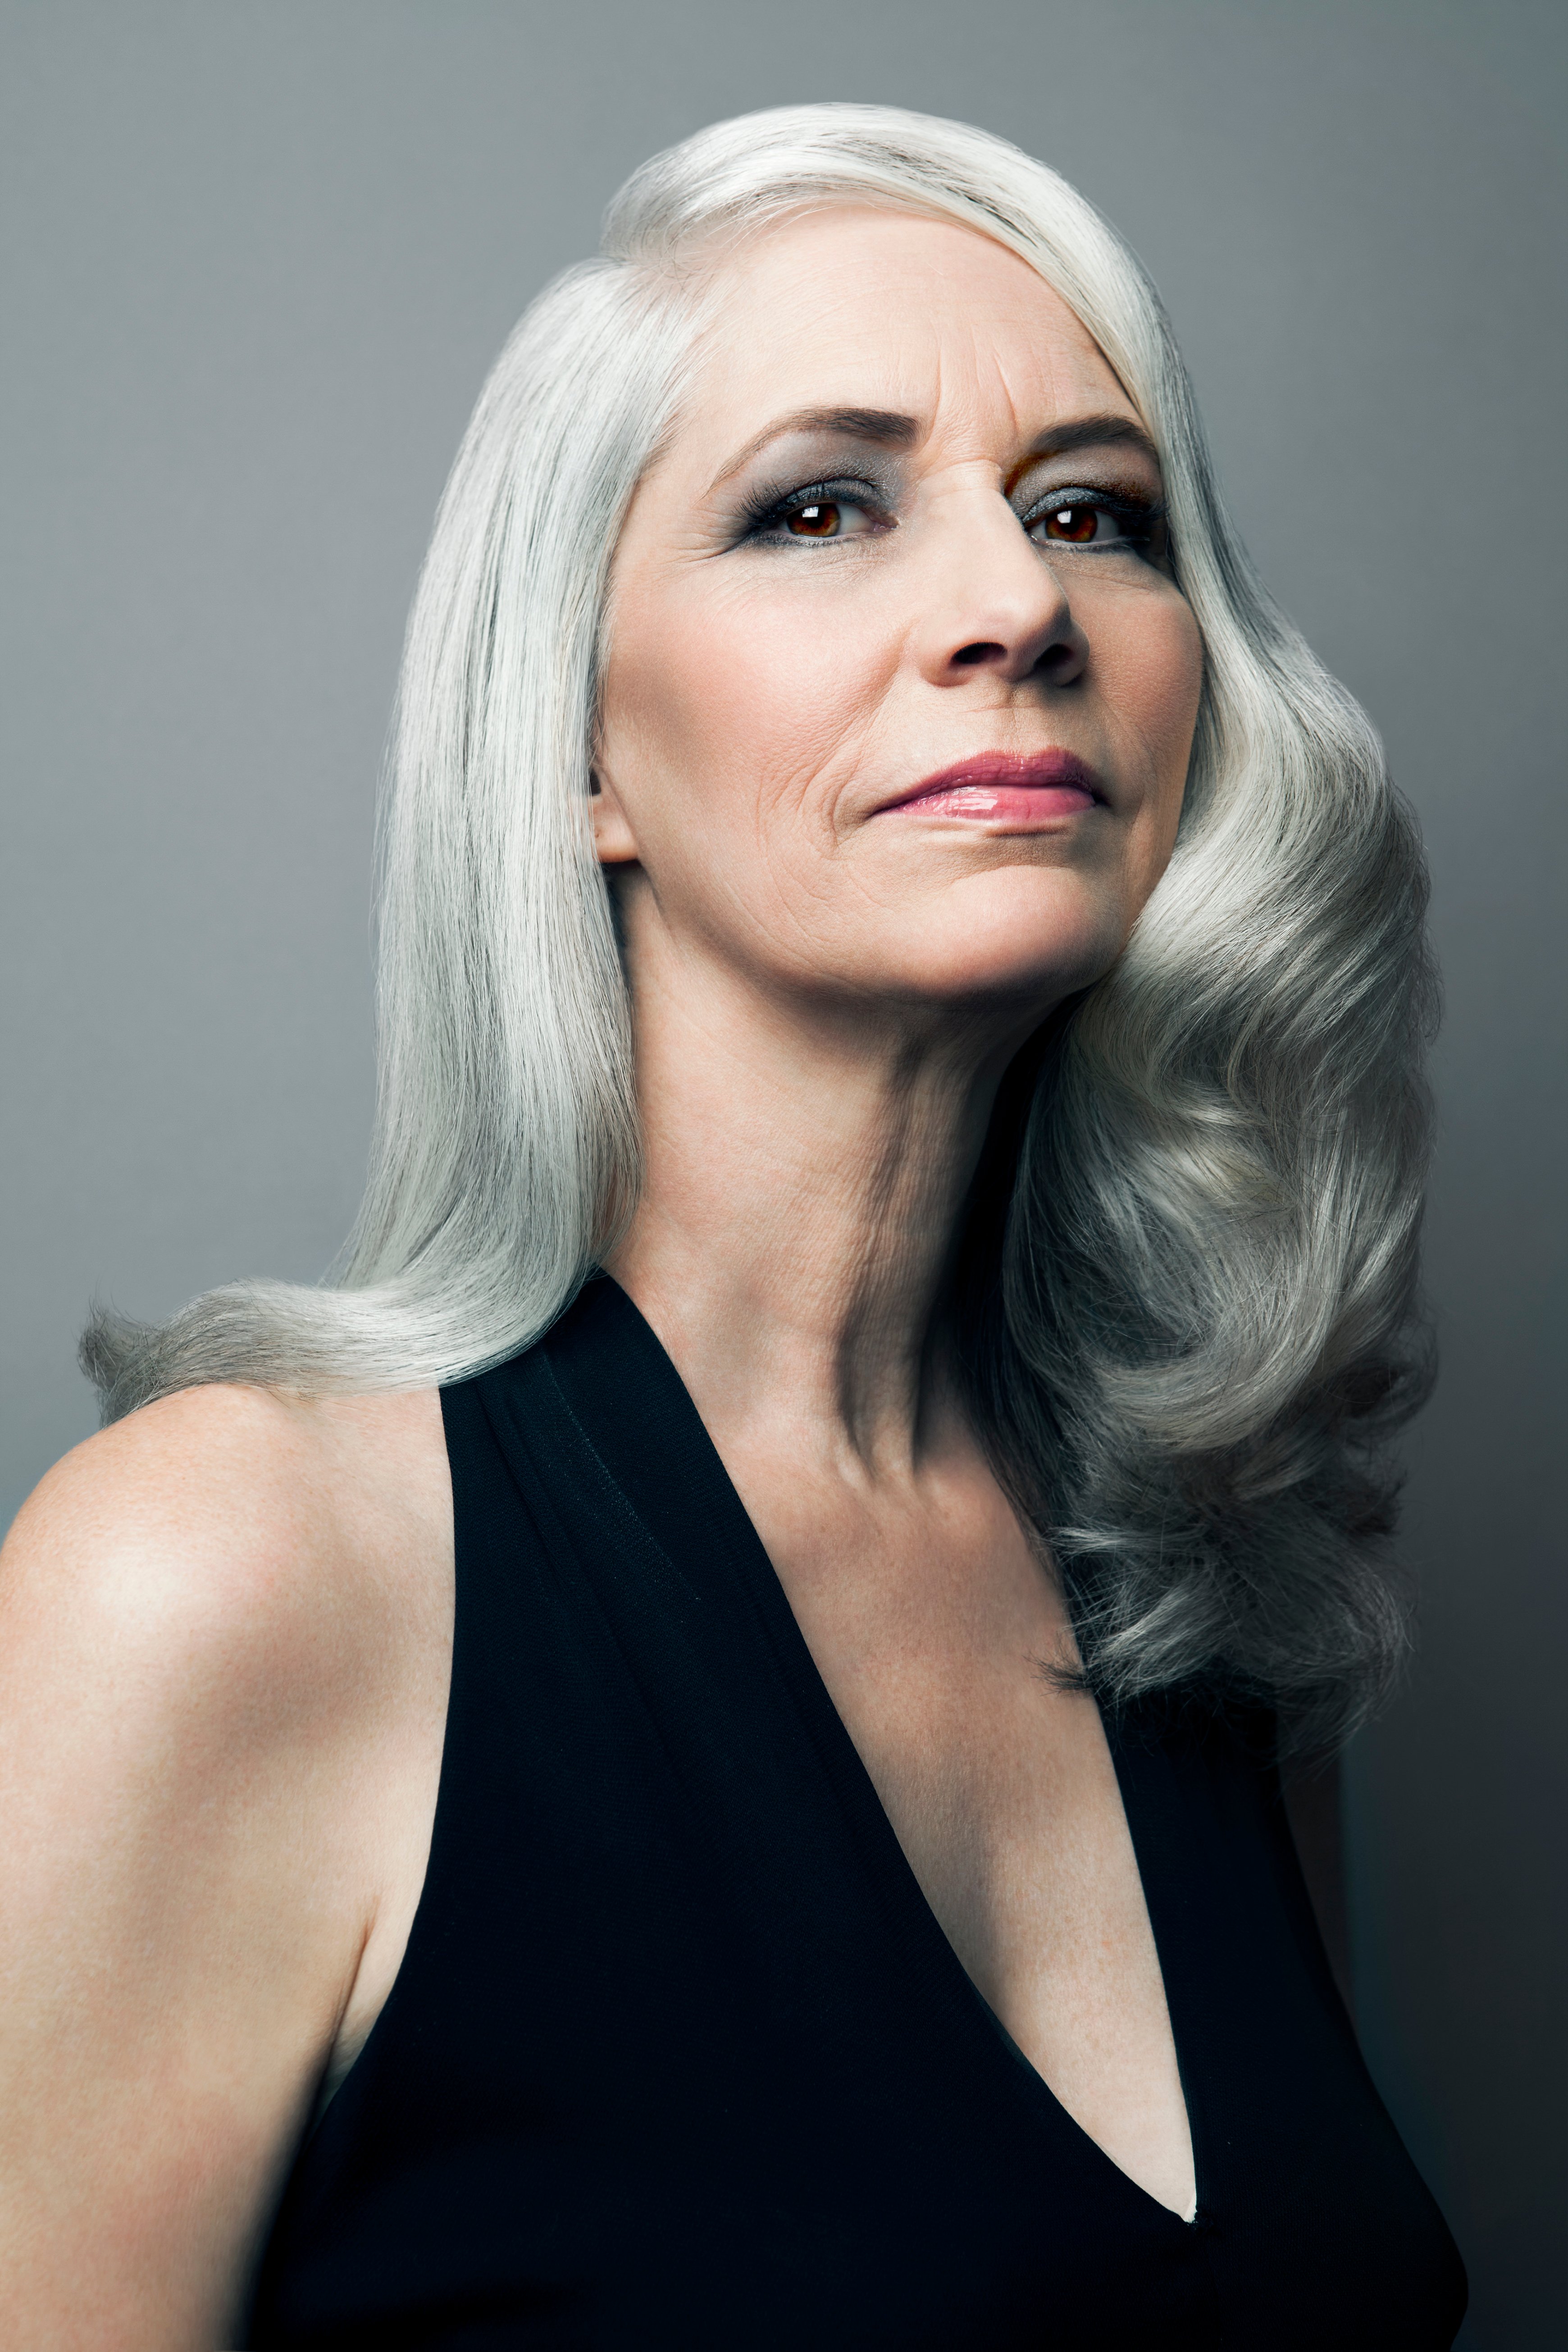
668, 702
730, 702
1153, 681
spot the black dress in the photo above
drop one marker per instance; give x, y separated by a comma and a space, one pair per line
679, 2059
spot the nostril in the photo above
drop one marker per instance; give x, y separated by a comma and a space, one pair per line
967, 656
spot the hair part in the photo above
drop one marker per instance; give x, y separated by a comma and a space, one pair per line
1188, 1303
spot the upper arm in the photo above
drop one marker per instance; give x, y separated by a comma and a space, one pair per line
187, 1687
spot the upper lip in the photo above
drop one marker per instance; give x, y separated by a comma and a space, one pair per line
1017, 768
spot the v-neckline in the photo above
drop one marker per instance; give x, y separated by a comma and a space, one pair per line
638, 1461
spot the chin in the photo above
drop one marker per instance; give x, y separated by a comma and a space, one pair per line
1019, 937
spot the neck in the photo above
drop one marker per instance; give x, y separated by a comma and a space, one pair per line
805, 1175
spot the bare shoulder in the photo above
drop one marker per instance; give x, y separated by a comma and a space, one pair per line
235, 1594
236, 1602
239, 1516
225, 1633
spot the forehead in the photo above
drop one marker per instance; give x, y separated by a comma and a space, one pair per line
851, 307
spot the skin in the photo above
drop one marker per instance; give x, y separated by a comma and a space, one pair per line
224, 1645
226, 1623
826, 995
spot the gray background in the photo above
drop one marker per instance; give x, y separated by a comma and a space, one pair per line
256, 261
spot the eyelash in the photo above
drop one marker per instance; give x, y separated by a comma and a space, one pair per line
1139, 517
766, 512
766, 509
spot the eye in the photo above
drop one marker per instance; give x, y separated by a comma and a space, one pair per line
1093, 519
820, 510
823, 519
1078, 524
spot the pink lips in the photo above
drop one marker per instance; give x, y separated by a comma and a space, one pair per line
1008, 788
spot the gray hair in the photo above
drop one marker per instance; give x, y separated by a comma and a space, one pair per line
1188, 1295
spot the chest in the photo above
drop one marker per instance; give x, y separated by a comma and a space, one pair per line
994, 1770
678, 2056
945, 1645
947, 1659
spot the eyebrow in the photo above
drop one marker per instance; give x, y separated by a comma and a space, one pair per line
895, 431
1086, 433
880, 424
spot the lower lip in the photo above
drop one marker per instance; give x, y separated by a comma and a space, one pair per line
1017, 807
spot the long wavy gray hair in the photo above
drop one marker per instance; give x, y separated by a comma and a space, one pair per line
1187, 1298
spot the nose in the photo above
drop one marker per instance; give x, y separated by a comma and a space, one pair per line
993, 606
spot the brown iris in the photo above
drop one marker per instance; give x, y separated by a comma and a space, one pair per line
1071, 522
820, 520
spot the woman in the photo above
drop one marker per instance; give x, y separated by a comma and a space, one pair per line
683, 1757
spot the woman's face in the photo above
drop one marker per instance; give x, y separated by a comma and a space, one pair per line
900, 694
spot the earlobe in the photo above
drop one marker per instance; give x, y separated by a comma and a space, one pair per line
613, 840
